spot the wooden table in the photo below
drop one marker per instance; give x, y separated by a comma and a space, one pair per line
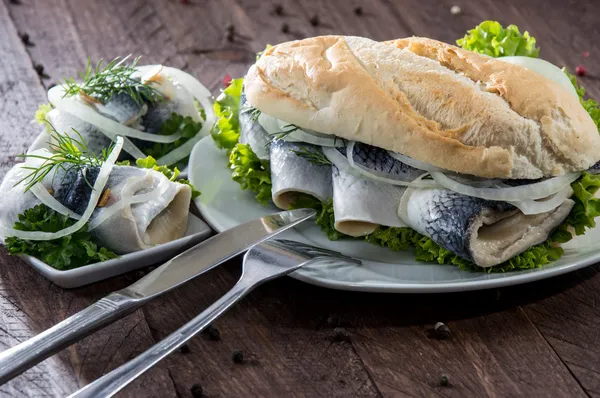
540, 339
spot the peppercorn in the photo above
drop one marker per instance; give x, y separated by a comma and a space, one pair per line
237, 356
444, 381
227, 80
586, 54
285, 28
314, 21
184, 349
278, 9
197, 390
358, 11
214, 334
15, 2
442, 331
580, 70
25, 39
39, 68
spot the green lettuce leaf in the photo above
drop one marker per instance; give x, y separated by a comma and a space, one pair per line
226, 131
589, 104
170, 173
185, 125
72, 251
490, 38
251, 172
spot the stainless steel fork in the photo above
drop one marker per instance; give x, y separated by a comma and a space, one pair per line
262, 263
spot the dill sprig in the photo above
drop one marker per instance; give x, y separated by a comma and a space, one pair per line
254, 113
103, 82
288, 129
67, 153
315, 156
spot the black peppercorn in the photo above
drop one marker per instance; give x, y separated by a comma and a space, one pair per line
214, 334
285, 28
442, 331
444, 381
39, 68
184, 349
358, 11
197, 390
237, 356
25, 39
278, 9
314, 21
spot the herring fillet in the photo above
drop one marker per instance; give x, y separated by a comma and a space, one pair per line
361, 205
379, 162
134, 227
292, 174
484, 232
251, 132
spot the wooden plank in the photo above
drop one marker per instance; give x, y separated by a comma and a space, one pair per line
20, 91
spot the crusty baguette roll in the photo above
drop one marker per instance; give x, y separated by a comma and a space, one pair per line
428, 100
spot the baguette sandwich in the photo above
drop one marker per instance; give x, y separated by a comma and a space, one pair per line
487, 159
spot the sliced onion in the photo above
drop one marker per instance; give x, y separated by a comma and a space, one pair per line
203, 95
105, 124
44, 196
537, 190
97, 190
339, 160
128, 201
417, 164
542, 206
275, 126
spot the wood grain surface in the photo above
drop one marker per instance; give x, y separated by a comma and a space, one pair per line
539, 339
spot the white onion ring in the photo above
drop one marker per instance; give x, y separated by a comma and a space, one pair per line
275, 126
97, 190
538, 190
338, 160
121, 204
417, 164
536, 207
203, 95
44, 196
105, 124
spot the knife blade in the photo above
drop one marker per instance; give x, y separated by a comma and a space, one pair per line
175, 272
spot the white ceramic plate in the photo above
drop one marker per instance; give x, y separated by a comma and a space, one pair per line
224, 205
197, 232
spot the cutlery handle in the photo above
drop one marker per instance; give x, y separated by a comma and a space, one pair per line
113, 382
21, 357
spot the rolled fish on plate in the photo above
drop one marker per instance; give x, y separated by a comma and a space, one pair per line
361, 204
152, 107
293, 174
125, 208
484, 232
251, 131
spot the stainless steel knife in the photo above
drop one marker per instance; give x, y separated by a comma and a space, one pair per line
175, 272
